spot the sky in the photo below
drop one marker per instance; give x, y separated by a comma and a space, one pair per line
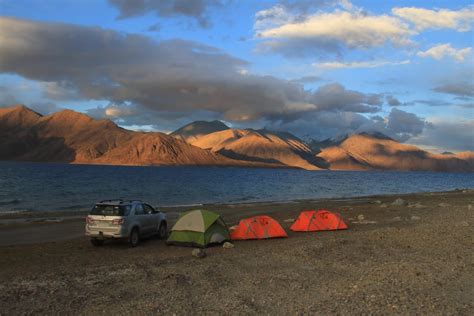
318, 69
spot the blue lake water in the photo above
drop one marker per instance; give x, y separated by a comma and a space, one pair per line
62, 187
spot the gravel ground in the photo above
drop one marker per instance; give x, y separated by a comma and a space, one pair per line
415, 257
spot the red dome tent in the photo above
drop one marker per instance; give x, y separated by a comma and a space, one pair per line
310, 221
258, 227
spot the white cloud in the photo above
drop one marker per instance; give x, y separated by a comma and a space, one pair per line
359, 64
350, 29
440, 51
423, 19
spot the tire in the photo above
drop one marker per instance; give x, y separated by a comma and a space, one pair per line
162, 230
97, 242
134, 238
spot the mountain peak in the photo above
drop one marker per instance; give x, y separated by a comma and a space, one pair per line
199, 128
375, 134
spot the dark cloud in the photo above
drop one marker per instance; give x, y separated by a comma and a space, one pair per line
404, 125
172, 75
166, 84
154, 27
392, 101
399, 125
195, 9
448, 135
459, 89
334, 97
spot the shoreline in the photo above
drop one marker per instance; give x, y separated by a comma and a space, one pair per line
36, 216
41, 227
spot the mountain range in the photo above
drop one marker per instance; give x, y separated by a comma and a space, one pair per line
71, 137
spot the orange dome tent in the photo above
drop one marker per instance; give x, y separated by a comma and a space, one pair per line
310, 221
258, 227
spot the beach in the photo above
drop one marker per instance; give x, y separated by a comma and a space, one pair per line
411, 257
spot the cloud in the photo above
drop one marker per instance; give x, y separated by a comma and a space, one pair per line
458, 89
166, 84
399, 125
404, 125
448, 135
361, 64
307, 79
444, 50
284, 32
423, 19
195, 9
392, 101
334, 97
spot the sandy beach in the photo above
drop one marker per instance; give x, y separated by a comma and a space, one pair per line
401, 259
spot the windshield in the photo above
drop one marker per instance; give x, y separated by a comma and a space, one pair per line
111, 210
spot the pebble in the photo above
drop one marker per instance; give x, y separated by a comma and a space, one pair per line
383, 205
228, 245
289, 220
199, 253
397, 218
443, 205
464, 223
469, 207
360, 217
415, 218
399, 202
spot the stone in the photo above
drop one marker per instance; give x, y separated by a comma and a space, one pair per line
378, 202
228, 245
443, 205
464, 224
289, 220
469, 207
383, 205
199, 253
397, 218
415, 218
360, 217
400, 202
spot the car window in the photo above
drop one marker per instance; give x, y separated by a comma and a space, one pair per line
139, 209
148, 209
110, 210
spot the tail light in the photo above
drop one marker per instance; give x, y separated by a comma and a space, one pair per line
118, 221
89, 220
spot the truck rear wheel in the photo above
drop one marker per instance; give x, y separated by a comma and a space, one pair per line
134, 238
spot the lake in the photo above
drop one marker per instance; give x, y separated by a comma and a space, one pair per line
63, 187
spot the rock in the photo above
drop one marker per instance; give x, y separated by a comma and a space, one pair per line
228, 245
464, 224
397, 218
415, 218
289, 220
378, 202
383, 205
469, 207
360, 217
400, 202
199, 253
443, 205
417, 205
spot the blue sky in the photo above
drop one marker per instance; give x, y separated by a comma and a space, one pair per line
316, 68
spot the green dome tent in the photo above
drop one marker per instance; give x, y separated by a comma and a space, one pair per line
198, 228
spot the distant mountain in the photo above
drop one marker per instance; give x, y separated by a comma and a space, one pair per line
261, 145
192, 131
72, 137
368, 152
